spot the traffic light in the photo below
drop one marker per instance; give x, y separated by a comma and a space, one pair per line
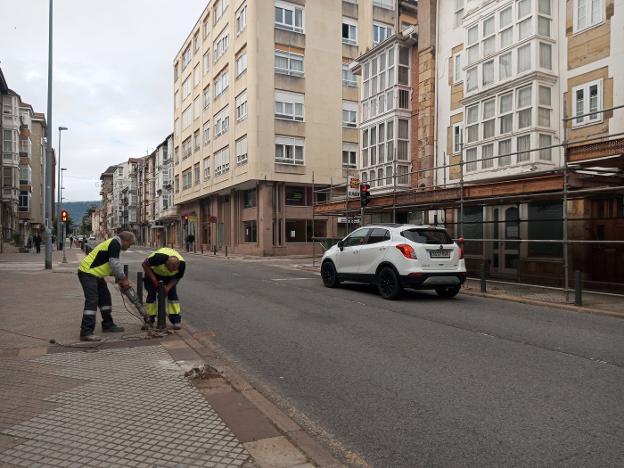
364, 194
64, 216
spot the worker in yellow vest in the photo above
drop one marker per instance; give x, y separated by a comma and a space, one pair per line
168, 266
101, 262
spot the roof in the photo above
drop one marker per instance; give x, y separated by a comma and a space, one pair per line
4, 88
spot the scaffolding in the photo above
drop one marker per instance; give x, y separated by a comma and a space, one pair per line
576, 178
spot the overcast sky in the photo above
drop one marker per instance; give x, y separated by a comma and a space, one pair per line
112, 75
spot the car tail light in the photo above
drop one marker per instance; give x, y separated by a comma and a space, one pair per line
407, 251
460, 242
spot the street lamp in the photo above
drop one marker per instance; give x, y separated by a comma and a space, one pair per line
58, 214
61, 231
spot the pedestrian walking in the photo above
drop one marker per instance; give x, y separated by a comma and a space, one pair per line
37, 243
189, 242
71, 241
168, 266
101, 262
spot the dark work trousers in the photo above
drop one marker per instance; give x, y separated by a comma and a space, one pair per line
173, 307
96, 295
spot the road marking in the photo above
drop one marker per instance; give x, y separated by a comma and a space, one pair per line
291, 279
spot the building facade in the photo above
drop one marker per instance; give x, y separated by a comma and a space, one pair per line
258, 122
106, 227
166, 228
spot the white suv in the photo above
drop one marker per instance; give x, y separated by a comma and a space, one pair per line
397, 256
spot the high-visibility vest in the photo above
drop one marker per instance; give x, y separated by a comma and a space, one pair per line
100, 269
161, 270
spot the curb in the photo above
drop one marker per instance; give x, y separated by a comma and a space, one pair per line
291, 432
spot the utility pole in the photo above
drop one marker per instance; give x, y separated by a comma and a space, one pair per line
48, 165
59, 189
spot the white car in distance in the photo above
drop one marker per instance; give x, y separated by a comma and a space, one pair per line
397, 256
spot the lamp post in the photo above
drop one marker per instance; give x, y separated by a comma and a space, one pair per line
48, 163
59, 195
61, 231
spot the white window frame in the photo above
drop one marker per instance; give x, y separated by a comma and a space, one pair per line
589, 8
458, 12
294, 9
285, 100
458, 74
241, 19
206, 96
241, 106
206, 62
290, 56
458, 137
241, 150
294, 143
221, 83
221, 122
218, 10
347, 74
206, 131
349, 110
491, 63
197, 108
206, 164
221, 44
186, 87
490, 38
528, 107
530, 64
241, 63
388, 30
583, 121
187, 117
222, 161
351, 27
351, 150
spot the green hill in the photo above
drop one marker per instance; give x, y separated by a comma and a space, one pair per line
77, 209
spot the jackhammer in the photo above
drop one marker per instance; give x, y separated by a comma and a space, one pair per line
133, 297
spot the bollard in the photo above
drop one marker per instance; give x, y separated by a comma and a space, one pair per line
215, 250
578, 288
483, 283
126, 270
201, 248
161, 319
226, 250
140, 286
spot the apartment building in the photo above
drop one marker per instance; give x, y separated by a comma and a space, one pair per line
106, 226
166, 228
37, 205
125, 197
145, 197
266, 106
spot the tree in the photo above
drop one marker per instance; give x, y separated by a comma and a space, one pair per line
85, 224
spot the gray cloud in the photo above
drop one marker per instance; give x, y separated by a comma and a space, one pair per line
112, 75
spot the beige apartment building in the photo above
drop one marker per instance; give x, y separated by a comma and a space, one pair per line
266, 106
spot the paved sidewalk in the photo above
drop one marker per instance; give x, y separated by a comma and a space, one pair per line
125, 402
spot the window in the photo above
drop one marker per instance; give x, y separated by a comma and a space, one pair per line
186, 57
187, 148
196, 76
505, 109
457, 68
221, 83
187, 179
241, 106
524, 58
457, 138
489, 122
472, 77
489, 36
176, 100
206, 27
472, 43
349, 31
545, 55
471, 160
207, 168
545, 154
218, 9
288, 63
241, 63
523, 145
186, 87
523, 106
176, 157
289, 105
241, 19
289, 150
488, 73
251, 230
176, 72
587, 13
381, 32
348, 78
196, 108
196, 42
222, 161
187, 117
176, 183
525, 28
349, 155
206, 130
220, 45
222, 122
487, 155
472, 124
523, 8
349, 114
197, 172
288, 16
543, 26
241, 150
506, 37
387, 4
403, 140
504, 151
196, 140
206, 97
206, 62
544, 7
459, 12
587, 98
544, 109
504, 66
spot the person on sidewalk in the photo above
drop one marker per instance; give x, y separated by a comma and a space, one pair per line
101, 262
37, 242
168, 266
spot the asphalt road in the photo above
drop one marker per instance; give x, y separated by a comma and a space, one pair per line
421, 381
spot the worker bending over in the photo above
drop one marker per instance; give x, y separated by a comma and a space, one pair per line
168, 266
101, 262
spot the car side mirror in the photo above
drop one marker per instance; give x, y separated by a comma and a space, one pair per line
340, 245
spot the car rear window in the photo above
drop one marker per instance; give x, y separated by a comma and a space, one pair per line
427, 236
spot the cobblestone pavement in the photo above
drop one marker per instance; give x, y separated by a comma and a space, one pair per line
115, 407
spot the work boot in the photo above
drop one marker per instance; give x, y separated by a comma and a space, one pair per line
148, 323
112, 329
90, 337
176, 326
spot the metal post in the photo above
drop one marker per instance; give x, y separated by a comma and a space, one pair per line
578, 288
483, 283
48, 163
394, 181
126, 270
161, 319
461, 192
140, 286
58, 190
63, 228
347, 202
566, 264
313, 217
215, 249
226, 250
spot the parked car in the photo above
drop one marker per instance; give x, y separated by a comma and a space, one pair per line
397, 256
92, 237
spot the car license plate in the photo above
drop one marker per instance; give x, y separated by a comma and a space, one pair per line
443, 253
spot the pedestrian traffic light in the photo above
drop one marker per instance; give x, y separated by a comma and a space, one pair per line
364, 194
64, 216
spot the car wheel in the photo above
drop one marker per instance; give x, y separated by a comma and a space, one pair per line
329, 275
388, 284
447, 293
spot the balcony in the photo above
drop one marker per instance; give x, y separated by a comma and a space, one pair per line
10, 194
10, 159
10, 121
25, 148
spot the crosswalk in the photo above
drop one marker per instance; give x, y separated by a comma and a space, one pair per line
21, 266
